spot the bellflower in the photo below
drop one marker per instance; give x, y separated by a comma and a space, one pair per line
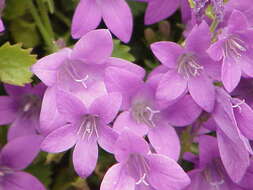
233, 118
234, 48
139, 169
2, 5
210, 173
22, 109
81, 70
144, 116
84, 128
189, 69
116, 15
14, 157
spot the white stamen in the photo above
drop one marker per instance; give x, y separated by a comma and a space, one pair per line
238, 105
142, 180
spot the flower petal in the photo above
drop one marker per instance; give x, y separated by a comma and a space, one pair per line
94, 47
107, 138
167, 53
60, 139
118, 18
20, 152
171, 87
205, 97
46, 68
160, 9
184, 112
85, 156
166, 173
215, 51
8, 110
87, 17
22, 181
165, 140
117, 179
107, 106
237, 22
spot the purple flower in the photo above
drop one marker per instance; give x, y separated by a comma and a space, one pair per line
81, 70
139, 169
210, 173
22, 109
143, 115
2, 5
116, 15
15, 156
84, 128
234, 48
189, 69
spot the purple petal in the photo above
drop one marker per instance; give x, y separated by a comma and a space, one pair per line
205, 97
85, 157
165, 140
167, 53
47, 67
106, 107
123, 64
70, 106
160, 9
184, 112
118, 18
237, 22
117, 179
20, 152
171, 87
8, 110
234, 156
123, 81
200, 34
23, 126
247, 65
107, 138
94, 47
22, 181
165, 173
50, 118
60, 139
125, 121
86, 18
2, 28
230, 74
244, 118
129, 143
215, 51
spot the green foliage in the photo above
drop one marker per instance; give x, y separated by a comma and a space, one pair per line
25, 32
15, 9
15, 64
137, 7
122, 51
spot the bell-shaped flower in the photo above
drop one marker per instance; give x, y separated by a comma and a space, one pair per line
15, 156
234, 48
85, 128
21, 109
81, 70
116, 15
189, 68
139, 169
210, 173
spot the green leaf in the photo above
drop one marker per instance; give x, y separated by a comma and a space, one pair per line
122, 51
50, 4
15, 64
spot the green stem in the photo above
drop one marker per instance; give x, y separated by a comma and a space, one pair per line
44, 33
63, 18
214, 25
44, 16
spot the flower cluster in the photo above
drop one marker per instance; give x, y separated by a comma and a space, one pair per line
88, 100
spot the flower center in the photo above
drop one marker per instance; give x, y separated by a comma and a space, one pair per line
30, 105
214, 174
234, 47
4, 171
236, 103
88, 127
139, 167
188, 66
144, 114
73, 73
